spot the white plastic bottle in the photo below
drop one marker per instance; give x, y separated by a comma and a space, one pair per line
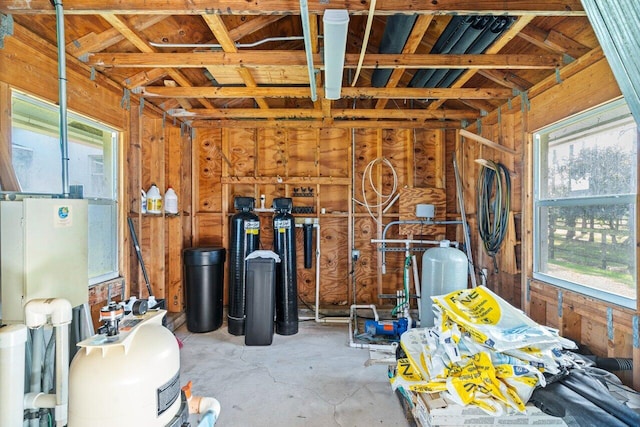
143, 201
170, 201
154, 200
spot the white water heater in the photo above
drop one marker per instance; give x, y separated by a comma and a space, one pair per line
444, 270
130, 379
43, 253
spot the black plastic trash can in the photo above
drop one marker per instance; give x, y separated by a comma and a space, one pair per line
204, 285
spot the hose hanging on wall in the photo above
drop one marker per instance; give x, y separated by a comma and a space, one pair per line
493, 205
386, 200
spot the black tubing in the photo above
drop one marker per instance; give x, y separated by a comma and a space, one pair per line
308, 244
614, 364
284, 245
243, 242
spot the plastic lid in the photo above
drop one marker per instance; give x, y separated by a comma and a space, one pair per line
204, 256
445, 243
263, 254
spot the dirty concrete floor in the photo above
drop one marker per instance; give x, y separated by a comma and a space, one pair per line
313, 378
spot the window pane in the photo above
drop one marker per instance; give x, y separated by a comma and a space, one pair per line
590, 245
37, 161
585, 198
103, 251
592, 156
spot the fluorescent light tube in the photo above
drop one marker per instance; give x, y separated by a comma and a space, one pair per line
336, 25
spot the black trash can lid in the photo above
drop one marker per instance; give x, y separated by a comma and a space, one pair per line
204, 256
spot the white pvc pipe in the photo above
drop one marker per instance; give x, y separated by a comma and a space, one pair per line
35, 376
37, 312
417, 284
12, 352
306, 32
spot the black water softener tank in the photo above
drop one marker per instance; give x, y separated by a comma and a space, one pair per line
245, 238
284, 244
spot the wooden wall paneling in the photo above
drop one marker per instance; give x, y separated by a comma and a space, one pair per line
30, 64
271, 153
592, 86
266, 230
185, 201
571, 323
334, 152
132, 176
174, 242
365, 151
210, 230
208, 150
393, 145
428, 153
242, 152
334, 280
306, 276
335, 199
152, 237
409, 198
301, 151
365, 270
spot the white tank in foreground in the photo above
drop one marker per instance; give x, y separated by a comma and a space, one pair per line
132, 379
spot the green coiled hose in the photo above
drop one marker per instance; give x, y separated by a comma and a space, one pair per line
493, 205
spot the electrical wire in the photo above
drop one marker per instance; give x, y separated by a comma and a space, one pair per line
384, 198
493, 206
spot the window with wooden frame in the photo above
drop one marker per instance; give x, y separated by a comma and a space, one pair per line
585, 190
36, 158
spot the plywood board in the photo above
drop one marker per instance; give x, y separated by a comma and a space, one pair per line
409, 198
271, 156
302, 151
334, 152
208, 170
242, 154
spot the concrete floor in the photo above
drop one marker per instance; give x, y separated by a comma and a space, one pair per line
309, 379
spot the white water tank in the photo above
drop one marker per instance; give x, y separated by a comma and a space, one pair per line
132, 380
444, 270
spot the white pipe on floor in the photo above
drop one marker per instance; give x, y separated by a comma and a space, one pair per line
12, 366
37, 312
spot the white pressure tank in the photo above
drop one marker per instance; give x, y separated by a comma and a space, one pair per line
132, 379
444, 270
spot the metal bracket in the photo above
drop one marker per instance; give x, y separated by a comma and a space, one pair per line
636, 334
6, 27
528, 290
610, 323
560, 296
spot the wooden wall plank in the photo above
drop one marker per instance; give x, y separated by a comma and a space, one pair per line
271, 156
302, 156
208, 170
335, 146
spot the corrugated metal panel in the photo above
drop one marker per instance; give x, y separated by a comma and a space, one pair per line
615, 22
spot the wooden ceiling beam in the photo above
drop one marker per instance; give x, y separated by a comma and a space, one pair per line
219, 29
288, 7
304, 92
326, 123
93, 42
303, 113
288, 58
139, 42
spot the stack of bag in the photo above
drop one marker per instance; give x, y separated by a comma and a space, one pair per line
482, 351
